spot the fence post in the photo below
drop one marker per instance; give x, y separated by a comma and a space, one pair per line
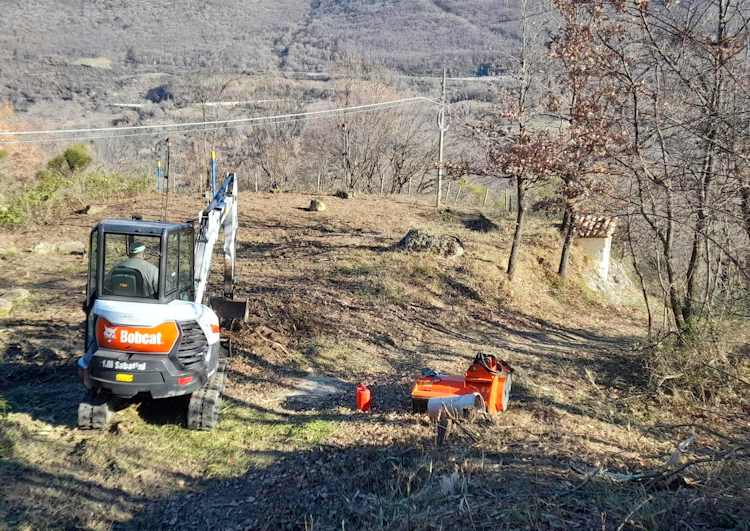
213, 172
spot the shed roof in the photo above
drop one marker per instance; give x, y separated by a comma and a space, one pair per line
593, 226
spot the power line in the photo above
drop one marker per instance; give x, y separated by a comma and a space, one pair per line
269, 120
171, 126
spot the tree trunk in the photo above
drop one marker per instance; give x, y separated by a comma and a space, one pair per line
638, 273
674, 298
699, 232
567, 243
513, 258
565, 221
745, 208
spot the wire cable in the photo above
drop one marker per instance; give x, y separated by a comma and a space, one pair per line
416, 99
269, 120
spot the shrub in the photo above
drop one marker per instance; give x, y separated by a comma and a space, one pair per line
700, 365
74, 159
64, 181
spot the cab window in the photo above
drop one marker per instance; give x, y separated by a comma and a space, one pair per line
93, 256
186, 266
173, 260
131, 265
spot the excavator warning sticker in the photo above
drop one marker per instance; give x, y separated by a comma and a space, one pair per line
159, 338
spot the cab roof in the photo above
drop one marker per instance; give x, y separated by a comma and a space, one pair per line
132, 226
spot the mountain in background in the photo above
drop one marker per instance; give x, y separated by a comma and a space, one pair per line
65, 49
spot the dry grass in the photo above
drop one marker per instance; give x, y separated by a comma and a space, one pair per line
329, 295
709, 364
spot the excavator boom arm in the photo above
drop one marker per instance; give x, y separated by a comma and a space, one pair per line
221, 214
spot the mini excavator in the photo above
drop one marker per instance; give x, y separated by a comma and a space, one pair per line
150, 332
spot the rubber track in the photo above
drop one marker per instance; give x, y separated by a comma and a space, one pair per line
205, 403
94, 413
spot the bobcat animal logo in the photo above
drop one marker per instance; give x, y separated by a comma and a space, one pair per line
109, 333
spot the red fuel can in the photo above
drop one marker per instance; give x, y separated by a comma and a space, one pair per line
364, 398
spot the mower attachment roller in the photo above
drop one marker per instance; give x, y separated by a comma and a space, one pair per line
488, 377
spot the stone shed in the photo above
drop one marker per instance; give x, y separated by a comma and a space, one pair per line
594, 239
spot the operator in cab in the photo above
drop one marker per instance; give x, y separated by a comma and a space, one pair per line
148, 271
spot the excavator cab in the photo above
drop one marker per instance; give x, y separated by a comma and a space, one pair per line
141, 260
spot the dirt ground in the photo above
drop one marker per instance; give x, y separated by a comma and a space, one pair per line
334, 304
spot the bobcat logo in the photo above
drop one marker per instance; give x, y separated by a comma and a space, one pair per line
109, 333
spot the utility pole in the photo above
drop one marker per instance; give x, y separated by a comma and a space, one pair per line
158, 176
165, 197
443, 126
347, 160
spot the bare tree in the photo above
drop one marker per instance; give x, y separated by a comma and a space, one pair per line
684, 70
513, 149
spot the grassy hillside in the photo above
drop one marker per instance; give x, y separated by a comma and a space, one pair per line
334, 304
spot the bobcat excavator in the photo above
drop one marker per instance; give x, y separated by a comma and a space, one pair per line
150, 333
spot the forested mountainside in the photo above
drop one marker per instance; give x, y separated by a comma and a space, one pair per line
52, 48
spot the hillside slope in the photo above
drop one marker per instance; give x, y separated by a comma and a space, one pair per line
47, 39
334, 304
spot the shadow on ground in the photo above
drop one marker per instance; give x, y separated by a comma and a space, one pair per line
417, 486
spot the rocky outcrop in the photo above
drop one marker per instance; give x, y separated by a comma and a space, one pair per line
422, 241
69, 247
316, 205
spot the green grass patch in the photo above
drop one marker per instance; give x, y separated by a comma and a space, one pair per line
245, 437
240, 440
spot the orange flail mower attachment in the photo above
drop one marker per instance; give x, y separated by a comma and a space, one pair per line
487, 375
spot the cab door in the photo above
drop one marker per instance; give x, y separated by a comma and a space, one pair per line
91, 284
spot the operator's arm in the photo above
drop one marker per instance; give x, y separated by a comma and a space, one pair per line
152, 280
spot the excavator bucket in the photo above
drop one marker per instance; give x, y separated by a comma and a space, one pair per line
229, 311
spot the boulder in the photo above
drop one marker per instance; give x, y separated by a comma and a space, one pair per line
422, 241
5, 308
10, 250
44, 248
316, 205
17, 295
71, 247
482, 224
92, 210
